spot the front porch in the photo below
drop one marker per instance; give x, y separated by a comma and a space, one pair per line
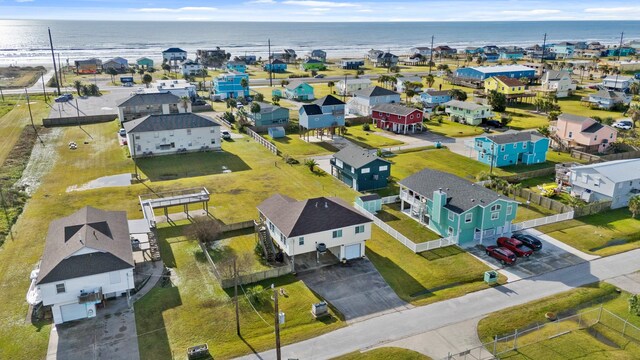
398, 128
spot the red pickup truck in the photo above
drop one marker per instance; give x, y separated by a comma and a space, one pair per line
515, 245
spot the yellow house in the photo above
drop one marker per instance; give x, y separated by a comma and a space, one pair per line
504, 85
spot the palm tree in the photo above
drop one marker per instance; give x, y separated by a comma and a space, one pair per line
147, 79
184, 101
166, 67
331, 84
78, 85
382, 79
429, 79
141, 72
634, 114
634, 88
581, 67
255, 108
634, 206
311, 163
244, 83
113, 72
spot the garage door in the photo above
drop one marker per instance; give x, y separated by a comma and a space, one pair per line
352, 251
73, 312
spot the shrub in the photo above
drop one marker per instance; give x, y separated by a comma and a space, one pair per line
634, 305
258, 295
366, 127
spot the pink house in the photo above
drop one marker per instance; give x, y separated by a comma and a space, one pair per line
583, 133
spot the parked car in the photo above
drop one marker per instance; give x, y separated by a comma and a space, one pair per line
528, 240
503, 254
199, 102
515, 245
226, 135
319, 76
494, 123
68, 95
122, 132
64, 98
239, 106
623, 124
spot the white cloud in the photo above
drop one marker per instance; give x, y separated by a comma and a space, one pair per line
320, 9
312, 3
613, 10
530, 12
177, 10
262, 2
365, 10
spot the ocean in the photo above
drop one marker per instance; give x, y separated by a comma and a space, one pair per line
26, 42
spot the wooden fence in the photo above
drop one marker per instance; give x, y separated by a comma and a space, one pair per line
262, 141
543, 201
592, 208
257, 276
529, 174
237, 226
602, 158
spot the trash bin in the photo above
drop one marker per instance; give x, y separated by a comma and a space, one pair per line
491, 277
438, 144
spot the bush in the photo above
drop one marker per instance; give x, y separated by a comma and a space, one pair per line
258, 295
634, 305
366, 127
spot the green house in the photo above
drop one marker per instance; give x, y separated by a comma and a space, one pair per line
313, 64
298, 90
454, 207
467, 112
145, 62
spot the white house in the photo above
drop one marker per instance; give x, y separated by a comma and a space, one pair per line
190, 67
617, 181
364, 100
170, 134
140, 105
558, 82
300, 227
173, 56
420, 50
411, 79
617, 82
352, 85
178, 87
87, 258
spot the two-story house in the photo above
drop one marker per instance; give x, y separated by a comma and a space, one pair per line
191, 68
89, 66
397, 118
177, 87
237, 66
364, 100
558, 82
564, 49
324, 113
454, 207
485, 72
298, 90
380, 58
269, 116
318, 54
512, 148
360, 169
308, 226
118, 64
350, 86
171, 134
275, 66
583, 133
618, 83
402, 81
607, 99
312, 64
229, 86
467, 112
144, 63
351, 64
433, 98
504, 85
140, 105
616, 181
420, 50
174, 56
87, 258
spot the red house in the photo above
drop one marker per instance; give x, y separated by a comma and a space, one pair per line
397, 118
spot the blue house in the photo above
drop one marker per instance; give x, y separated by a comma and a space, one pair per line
473, 50
229, 85
360, 169
512, 148
269, 116
433, 98
511, 55
324, 113
276, 66
351, 64
490, 57
237, 66
485, 72
623, 51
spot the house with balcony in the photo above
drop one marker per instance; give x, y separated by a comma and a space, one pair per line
351, 64
177, 87
118, 64
275, 66
432, 98
616, 181
485, 72
324, 113
89, 66
360, 169
144, 63
467, 112
512, 148
364, 100
504, 85
350, 86
318, 54
608, 99
269, 116
237, 66
313, 64
380, 58
397, 118
87, 258
618, 83
558, 82
174, 56
582, 133
229, 86
564, 49
171, 134
140, 105
315, 225
191, 68
455, 207
299, 91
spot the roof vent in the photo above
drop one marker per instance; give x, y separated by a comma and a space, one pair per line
473, 200
316, 204
326, 205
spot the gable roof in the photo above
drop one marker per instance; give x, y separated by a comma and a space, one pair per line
437, 92
294, 84
150, 99
374, 91
466, 105
609, 94
395, 109
168, 122
462, 194
106, 232
277, 61
313, 61
617, 171
512, 136
173, 50
297, 218
328, 100
508, 81
553, 75
356, 156
573, 118
311, 109
266, 108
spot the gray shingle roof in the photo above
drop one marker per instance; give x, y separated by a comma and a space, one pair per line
466, 105
593, 128
394, 109
168, 122
437, 92
553, 75
298, 218
150, 99
512, 136
573, 118
356, 156
294, 84
374, 91
462, 195
104, 231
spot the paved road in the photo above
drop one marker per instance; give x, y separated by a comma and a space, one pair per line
404, 324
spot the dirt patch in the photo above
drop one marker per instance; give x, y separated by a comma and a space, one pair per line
43, 157
20, 77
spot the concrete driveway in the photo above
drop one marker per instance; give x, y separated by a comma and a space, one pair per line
357, 290
110, 335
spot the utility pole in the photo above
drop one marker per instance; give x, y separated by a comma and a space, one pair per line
235, 295
60, 69
344, 92
53, 56
544, 44
1, 94
277, 323
270, 64
44, 89
31, 116
431, 55
620, 46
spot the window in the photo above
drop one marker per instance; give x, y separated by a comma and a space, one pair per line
479, 143
496, 207
213, 131
611, 136
272, 227
450, 230
282, 238
509, 209
188, 131
495, 215
213, 141
301, 240
468, 217
383, 168
450, 215
339, 163
502, 148
595, 138
359, 229
515, 145
505, 157
60, 288
137, 137
524, 145
570, 134
366, 170
337, 234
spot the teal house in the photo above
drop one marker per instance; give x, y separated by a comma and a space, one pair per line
457, 208
276, 66
237, 66
512, 148
298, 90
312, 64
370, 202
269, 116
229, 85
360, 169
144, 62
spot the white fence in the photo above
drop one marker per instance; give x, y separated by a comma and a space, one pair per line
434, 244
542, 221
264, 142
390, 199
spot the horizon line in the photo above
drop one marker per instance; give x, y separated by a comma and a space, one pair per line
334, 22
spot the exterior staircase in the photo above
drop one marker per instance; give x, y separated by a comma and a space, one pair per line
267, 245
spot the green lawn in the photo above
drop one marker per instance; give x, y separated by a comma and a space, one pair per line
572, 105
14, 115
294, 146
574, 345
383, 354
602, 234
407, 226
369, 139
522, 118
553, 158
171, 167
531, 211
196, 310
452, 129
426, 277
240, 244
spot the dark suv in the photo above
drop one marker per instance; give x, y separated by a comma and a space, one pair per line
528, 240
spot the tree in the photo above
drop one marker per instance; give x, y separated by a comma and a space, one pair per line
429, 79
410, 89
94, 90
634, 88
231, 103
497, 101
275, 99
78, 86
634, 206
203, 229
331, 84
581, 67
255, 108
147, 79
113, 72
544, 130
506, 119
525, 80
258, 97
634, 114
184, 101
244, 83
166, 67
311, 164
284, 83
458, 94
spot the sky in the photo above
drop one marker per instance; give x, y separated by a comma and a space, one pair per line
321, 10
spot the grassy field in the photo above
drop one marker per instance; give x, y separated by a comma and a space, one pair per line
522, 118
20, 77
237, 244
579, 344
407, 226
602, 234
369, 139
384, 353
426, 277
553, 158
195, 309
14, 115
452, 129
294, 146
572, 105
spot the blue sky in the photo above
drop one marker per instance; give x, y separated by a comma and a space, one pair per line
320, 10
